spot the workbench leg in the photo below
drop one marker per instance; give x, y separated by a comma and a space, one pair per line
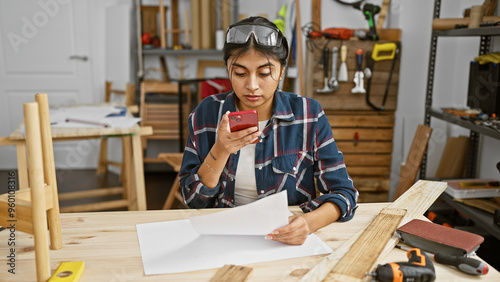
138, 191
126, 171
22, 166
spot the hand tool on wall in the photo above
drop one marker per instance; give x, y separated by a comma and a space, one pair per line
359, 76
464, 264
369, 10
343, 65
326, 61
380, 52
419, 268
333, 83
337, 33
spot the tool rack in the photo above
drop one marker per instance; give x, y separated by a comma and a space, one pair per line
362, 134
475, 130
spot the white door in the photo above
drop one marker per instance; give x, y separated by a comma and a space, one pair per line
44, 47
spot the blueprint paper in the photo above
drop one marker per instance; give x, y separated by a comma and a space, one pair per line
177, 246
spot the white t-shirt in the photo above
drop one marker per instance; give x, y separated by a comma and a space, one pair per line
245, 186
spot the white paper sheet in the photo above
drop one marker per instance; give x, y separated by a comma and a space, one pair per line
176, 246
84, 116
258, 218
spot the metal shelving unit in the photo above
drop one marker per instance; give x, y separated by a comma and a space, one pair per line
475, 130
464, 123
480, 218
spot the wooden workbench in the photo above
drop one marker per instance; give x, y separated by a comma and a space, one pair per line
133, 185
107, 243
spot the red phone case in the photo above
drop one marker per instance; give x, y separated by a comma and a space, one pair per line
242, 120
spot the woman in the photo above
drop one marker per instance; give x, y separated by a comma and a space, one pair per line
295, 145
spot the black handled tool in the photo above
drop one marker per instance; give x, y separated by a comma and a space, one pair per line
465, 264
326, 66
419, 268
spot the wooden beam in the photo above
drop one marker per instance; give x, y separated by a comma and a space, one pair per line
226, 14
367, 249
195, 24
316, 13
234, 273
205, 24
416, 201
414, 160
299, 60
163, 24
175, 21
383, 14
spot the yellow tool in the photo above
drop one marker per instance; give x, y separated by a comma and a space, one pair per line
384, 51
68, 271
388, 51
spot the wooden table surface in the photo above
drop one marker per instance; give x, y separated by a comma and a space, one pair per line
107, 243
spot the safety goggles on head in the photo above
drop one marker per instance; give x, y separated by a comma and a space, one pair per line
263, 35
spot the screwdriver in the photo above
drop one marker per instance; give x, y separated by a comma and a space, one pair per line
465, 264
419, 268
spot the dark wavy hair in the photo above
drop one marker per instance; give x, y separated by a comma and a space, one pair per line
279, 53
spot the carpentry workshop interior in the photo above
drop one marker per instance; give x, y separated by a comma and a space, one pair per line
113, 167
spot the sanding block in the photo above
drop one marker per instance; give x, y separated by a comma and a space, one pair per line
434, 238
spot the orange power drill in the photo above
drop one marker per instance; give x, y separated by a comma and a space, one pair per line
419, 268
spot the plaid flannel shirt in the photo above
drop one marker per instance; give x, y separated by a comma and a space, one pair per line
295, 147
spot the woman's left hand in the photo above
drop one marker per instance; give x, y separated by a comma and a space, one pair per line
295, 233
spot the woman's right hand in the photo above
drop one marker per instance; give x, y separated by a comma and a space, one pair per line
231, 142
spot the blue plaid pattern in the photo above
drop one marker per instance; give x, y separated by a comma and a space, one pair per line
295, 148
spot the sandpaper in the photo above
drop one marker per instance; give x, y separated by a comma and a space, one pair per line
433, 238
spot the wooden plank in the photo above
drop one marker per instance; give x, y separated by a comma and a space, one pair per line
299, 55
373, 197
390, 34
316, 14
225, 14
234, 273
487, 204
411, 167
383, 14
354, 102
366, 250
163, 24
371, 183
205, 24
360, 120
363, 134
149, 19
101, 192
174, 11
137, 197
98, 206
368, 170
195, 24
22, 163
173, 159
416, 201
365, 147
367, 159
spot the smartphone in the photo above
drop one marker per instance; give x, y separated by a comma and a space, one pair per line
242, 120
